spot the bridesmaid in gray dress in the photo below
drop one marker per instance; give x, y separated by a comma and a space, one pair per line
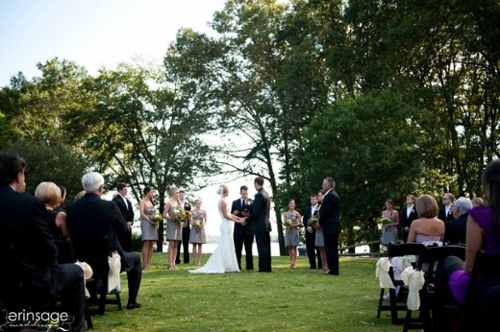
390, 230
198, 236
292, 232
149, 232
174, 230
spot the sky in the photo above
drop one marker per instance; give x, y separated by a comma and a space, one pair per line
93, 33
97, 33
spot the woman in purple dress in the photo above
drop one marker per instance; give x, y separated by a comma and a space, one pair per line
483, 232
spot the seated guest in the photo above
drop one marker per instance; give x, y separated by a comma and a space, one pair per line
483, 232
50, 193
455, 229
91, 218
427, 227
477, 201
28, 251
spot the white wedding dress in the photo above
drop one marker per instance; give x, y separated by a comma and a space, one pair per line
223, 258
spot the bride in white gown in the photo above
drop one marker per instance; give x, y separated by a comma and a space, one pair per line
223, 258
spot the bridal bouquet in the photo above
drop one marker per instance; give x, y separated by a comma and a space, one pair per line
181, 216
198, 224
157, 218
313, 222
288, 223
384, 221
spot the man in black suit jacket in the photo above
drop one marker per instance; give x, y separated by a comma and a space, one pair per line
445, 212
28, 251
408, 214
127, 211
186, 231
91, 218
259, 220
329, 219
241, 234
455, 229
312, 250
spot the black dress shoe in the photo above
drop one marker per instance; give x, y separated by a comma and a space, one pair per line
333, 273
132, 306
249, 269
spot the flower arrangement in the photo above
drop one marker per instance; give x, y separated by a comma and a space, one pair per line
198, 224
157, 219
288, 223
314, 222
179, 216
384, 221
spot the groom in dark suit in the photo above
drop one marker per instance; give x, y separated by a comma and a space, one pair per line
259, 220
29, 256
127, 211
91, 218
243, 235
329, 219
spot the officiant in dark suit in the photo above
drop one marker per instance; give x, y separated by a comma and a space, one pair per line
259, 220
329, 219
92, 218
311, 249
127, 211
241, 234
28, 253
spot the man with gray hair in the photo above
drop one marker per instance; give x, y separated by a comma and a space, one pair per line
91, 219
455, 229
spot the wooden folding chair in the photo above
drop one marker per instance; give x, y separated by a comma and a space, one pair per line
485, 274
395, 250
428, 259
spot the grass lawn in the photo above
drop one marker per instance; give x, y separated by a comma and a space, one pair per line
285, 300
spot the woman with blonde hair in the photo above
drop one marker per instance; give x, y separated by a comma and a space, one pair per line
174, 229
198, 237
428, 227
50, 193
223, 258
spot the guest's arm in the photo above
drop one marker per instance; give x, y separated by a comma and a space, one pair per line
61, 222
474, 236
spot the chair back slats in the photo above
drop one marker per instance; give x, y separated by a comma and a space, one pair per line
394, 250
430, 255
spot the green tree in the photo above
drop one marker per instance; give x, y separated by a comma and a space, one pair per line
143, 129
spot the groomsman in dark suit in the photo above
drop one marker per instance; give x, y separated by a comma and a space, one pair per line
125, 206
29, 256
445, 212
243, 234
408, 214
259, 220
329, 219
91, 218
312, 250
186, 231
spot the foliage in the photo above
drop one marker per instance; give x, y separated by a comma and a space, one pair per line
56, 163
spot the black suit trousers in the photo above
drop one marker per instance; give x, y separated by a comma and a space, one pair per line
246, 239
186, 231
125, 240
67, 281
263, 240
134, 274
332, 252
312, 251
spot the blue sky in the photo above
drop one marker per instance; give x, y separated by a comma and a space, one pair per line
93, 33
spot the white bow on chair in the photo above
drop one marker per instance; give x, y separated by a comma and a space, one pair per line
414, 279
382, 273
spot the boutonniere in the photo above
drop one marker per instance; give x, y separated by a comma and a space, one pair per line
249, 201
450, 212
412, 210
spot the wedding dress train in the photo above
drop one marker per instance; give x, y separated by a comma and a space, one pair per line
223, 258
